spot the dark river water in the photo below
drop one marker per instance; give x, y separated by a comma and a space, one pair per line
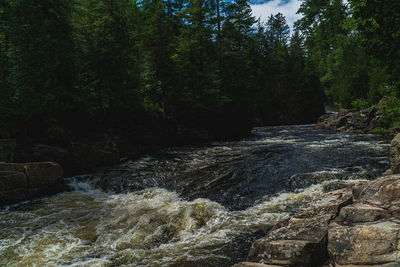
187, 206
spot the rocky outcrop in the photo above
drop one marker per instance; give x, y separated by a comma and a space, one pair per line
395, 155
351, 227
23, 181
364, 120
355, 226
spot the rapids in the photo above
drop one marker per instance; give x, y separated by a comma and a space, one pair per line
187, 206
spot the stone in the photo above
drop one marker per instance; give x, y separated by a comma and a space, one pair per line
369, 244
358, 213
293, 252
328, 203
387, 172
363, 120
43, 173
395, 154
12, 180
253, 264
299, 241
7, 150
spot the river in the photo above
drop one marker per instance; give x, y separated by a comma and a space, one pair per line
188, 206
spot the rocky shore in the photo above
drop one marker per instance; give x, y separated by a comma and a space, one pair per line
23, 181
359, 121
355, 226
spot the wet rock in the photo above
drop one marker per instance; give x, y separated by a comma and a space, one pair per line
395, 155
383, 192
7, 150
253, 264
387, 172
43, 173
11, 180
363, 120
328, 203
358, 213
367, 244
25, 181
302, 242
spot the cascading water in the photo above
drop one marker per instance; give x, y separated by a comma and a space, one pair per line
189, 206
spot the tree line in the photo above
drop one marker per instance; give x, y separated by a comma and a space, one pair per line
185, 60
355, 46
193, 61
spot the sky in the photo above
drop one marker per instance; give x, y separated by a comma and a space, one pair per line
287, 7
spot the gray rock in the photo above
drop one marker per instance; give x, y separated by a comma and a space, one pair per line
395, 155
12, 180
369, 244
43, 173
300, 242
25, 181
253, 264
358, 213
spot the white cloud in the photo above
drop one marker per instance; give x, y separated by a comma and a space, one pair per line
287, 8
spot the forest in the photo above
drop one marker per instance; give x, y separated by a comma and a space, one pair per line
70, 67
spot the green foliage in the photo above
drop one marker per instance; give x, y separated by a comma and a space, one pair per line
355, 46
358, 104
390, 112
191, 61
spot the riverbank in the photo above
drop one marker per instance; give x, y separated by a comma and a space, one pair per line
368, 120
88, 145
201, 205
355, 226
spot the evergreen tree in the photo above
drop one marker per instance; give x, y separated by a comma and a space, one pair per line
41, 53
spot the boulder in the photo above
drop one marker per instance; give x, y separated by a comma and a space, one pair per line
26, 181
7, 150
12, 180
299, 242
363, 120
374, 243
359, 212
395, 155
253, 264
328, 203
43, 173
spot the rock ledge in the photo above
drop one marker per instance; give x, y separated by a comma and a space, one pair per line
23, 181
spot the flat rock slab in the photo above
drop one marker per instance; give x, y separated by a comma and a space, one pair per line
328, 203
253, 264
299, 242
12, 180
43, 173
359, 212
384, 192
29, 180
369, 244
